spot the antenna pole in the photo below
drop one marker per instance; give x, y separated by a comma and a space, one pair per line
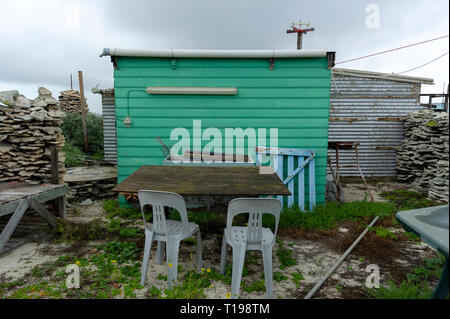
297, 28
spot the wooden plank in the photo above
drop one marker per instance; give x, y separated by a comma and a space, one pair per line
41, 210
297, 170
194, 180
12, 223
279, 168
88, 174
62, 206
301, 184
42, 193
312, 184
54, 164
290, 184
284, 151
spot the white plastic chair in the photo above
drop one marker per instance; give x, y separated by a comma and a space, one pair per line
167, 232
252, 237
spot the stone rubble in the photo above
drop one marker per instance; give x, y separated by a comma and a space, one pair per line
423, 156
70, 101
27, 130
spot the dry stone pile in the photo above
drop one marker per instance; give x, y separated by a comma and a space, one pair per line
423, 158
27, 130
70, 101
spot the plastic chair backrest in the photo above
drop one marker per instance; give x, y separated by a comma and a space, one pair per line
255, 207
159, 200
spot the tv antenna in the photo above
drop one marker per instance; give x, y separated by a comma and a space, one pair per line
297, 27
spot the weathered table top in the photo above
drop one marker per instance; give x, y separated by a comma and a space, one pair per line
204, 180
12, 193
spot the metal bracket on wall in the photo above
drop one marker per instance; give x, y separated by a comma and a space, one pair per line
174, 64
272, 63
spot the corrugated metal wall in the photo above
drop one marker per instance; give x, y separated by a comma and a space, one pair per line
368, 111
109, 125
293, 97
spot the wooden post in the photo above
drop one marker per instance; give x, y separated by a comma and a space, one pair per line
54, 165
299, 40
83, 110
362, 175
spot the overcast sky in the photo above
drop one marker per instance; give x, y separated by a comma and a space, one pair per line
43, 42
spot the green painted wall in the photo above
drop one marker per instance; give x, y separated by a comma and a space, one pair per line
294, 97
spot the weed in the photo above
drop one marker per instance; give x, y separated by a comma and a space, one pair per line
256, 286
128, 232
383, 232
412, 237
190, 288
406, 290
406, 200
285, 256
70, 231
154, 292
161, 277
278, 277
297, 278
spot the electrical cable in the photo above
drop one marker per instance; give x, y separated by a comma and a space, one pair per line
382, 52
420, 66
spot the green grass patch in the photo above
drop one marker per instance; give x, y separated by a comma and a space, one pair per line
406, 200
329, 215
297, 279
417, 284
383, 232
256, 286
285, 256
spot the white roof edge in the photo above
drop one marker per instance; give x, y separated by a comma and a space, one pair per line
380, 75
169, 53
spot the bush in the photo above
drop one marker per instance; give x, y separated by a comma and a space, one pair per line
72, 127
74, 156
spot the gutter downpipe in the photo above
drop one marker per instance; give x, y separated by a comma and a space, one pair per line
339, 262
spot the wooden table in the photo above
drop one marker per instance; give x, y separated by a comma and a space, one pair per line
204, 181
15, 198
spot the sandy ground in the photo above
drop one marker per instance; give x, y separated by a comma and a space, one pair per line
358, 191
314, 258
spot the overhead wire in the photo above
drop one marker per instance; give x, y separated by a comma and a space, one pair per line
398, 48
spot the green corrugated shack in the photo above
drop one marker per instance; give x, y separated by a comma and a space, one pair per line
157, 91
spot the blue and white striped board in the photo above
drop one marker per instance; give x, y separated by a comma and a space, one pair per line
304, 158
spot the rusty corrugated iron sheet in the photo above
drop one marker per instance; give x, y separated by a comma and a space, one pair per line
368, 108
109, 125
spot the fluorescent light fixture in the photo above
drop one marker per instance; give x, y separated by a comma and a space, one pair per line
191, 90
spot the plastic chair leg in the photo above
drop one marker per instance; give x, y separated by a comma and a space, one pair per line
172, 247
267, 258
223, 255
160, 252
147, 249
199, 250
238, 266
